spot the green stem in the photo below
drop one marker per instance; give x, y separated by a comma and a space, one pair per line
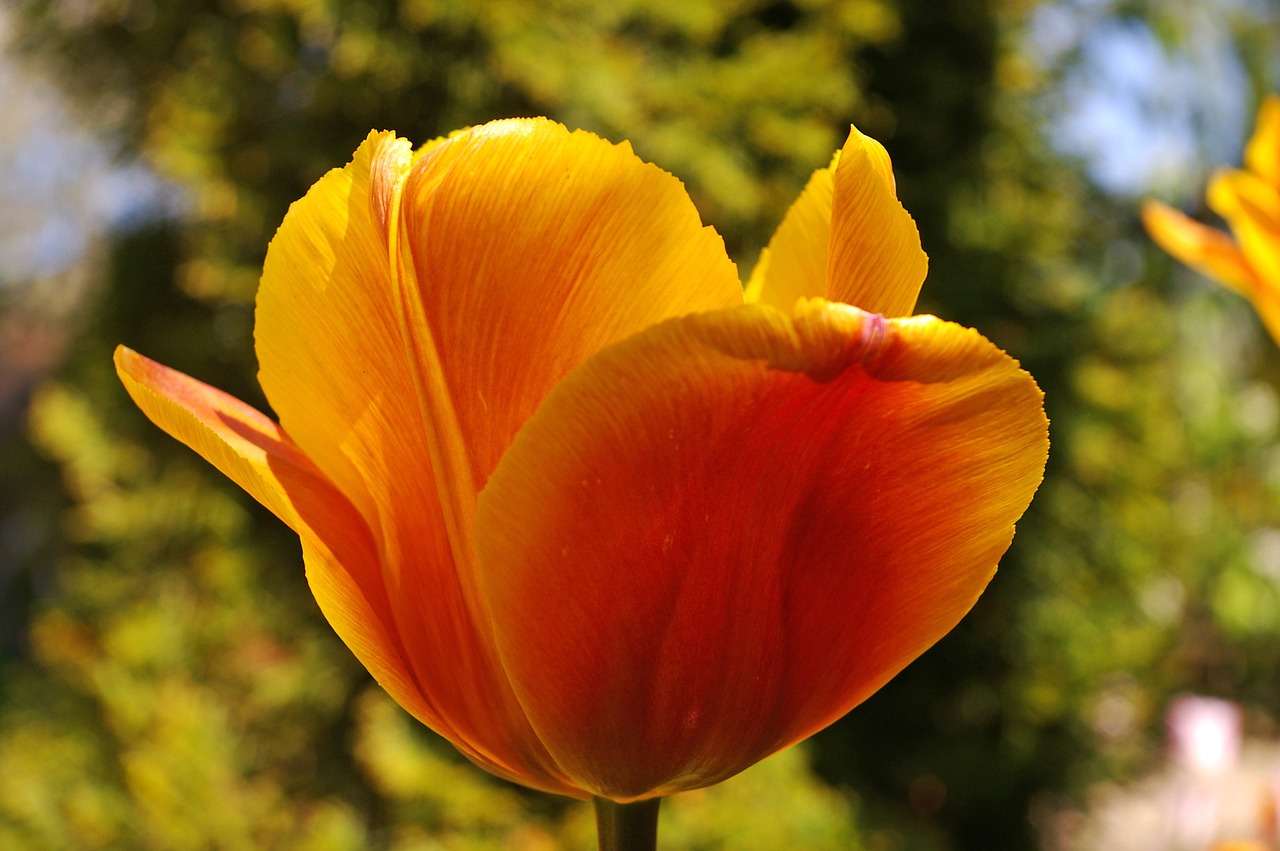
627, 827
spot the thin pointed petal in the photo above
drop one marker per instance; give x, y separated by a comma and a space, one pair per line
251, 450
846, 238
719, 536
1215, 254
235, 438
876, 262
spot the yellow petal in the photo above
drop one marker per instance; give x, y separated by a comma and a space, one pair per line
528, 249
847, 238
325, 325
1262, 154
335, 368
1252, 207
876, 262
717, 537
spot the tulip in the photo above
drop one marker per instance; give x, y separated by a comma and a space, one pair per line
580, 507
1249, 201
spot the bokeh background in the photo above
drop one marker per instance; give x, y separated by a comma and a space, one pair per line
167, 682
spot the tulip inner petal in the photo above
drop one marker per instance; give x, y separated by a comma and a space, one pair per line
847, 238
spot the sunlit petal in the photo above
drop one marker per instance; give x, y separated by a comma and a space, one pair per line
325, 325
335, 368
876, 262
1249, 201
719, 536
530, 248
847, 238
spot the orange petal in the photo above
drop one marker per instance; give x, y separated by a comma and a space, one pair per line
847, 238
1262, 154
342, 566
335, 368
1207, 250
719, 536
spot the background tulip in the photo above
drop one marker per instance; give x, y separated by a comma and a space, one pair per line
1249, 200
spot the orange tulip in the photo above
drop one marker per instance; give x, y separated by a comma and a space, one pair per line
1249, 201
579, 508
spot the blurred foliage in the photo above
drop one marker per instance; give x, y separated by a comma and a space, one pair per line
178, 688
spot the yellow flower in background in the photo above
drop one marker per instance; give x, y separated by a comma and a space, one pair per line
607, 527
1249, 201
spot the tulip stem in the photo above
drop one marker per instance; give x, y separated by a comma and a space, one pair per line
627, 827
